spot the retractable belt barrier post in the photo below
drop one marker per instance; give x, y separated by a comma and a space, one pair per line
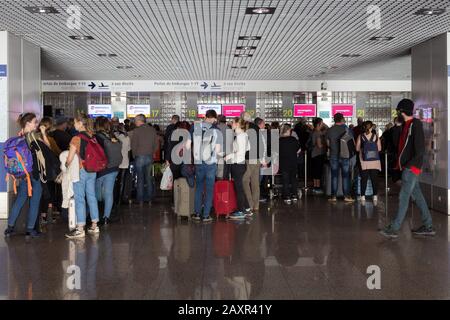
386, 208
306, 171
386, 172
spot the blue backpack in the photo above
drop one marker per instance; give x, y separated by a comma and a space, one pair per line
18, 161
370, 148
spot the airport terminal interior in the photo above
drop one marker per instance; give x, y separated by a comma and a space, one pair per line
378, 70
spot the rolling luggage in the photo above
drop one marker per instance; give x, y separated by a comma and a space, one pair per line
225, 201
183, 198
129, 185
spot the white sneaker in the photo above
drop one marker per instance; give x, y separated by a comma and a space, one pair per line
95, 230
76, 233
375, 198
363, 198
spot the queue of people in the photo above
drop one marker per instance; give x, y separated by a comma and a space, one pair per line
97, 155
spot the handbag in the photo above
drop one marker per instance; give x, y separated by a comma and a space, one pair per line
167, 179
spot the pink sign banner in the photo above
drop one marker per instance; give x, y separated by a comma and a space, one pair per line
305, 110
232, 110
347, 110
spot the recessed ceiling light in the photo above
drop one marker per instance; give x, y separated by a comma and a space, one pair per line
236, 67
109, 55
429, 12
124, 67
81, 37
381, 38
41, 10
351, 55
249, 38
246, 48
243, 55
137, 76
261, 10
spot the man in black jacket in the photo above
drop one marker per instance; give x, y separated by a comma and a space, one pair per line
168, 143
411, 150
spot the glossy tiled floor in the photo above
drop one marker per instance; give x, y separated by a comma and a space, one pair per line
311, 250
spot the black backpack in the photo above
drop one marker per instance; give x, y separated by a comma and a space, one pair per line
48, 162
113, 151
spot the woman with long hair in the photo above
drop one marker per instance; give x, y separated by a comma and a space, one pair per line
28, 125
84, 189
318, 154
106, 178
368, 145
49, 200
289, 150
238, 167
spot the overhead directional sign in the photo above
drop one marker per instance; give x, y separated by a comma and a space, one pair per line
219, 86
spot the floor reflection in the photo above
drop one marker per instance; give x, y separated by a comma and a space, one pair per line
311, 250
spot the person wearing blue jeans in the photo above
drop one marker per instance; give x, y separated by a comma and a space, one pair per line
144, 142
333, 138
22, 196
205, 177
344, 165
411, 188
29, 124
105, 192
84, 191
142, 165
205, 141
411, 150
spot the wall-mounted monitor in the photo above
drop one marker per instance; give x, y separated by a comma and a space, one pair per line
99, 110
347, 110
305, 110
233, 110
135, 109
203, 108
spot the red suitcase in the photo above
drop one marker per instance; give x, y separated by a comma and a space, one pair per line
224, 197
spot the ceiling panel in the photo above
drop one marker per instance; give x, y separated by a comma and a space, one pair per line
197, 39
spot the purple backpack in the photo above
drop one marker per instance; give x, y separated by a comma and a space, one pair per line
18, 160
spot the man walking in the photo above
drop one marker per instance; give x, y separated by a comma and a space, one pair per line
411, 149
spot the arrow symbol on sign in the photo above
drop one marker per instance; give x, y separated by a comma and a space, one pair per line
92, 85
204, 85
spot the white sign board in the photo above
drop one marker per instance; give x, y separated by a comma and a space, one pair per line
203, 108
98, 110
136, 109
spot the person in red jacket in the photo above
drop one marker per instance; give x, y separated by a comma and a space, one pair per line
411, 150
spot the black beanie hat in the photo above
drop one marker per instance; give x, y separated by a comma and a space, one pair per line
407, 106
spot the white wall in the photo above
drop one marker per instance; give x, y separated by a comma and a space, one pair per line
14, 83
430, 87
31, 75
23, 61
